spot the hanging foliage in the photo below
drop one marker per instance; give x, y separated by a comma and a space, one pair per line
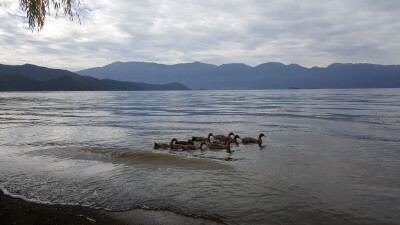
37, 10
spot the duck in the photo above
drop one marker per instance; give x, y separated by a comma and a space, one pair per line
202, 138
176, 146
164, 145
188, 142
189, 147
234, 139
223, 138
161, 145
181, 146
201, 145
250, 140
226, 146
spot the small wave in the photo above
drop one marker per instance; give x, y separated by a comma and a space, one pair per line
211, 217
129, 156
6, 192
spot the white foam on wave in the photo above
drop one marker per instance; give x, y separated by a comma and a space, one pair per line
6, 192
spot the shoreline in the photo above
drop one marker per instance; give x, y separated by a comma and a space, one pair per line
17, 211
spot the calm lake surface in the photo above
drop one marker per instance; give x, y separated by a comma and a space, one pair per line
329, 156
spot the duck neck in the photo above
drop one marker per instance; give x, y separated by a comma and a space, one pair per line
208, 137
228, 145
259, 139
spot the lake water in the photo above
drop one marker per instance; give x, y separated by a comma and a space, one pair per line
329, 156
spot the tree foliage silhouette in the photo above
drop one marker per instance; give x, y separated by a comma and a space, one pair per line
37, 10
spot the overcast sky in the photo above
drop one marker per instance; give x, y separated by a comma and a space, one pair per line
306, 32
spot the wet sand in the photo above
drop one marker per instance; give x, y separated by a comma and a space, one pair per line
15, 211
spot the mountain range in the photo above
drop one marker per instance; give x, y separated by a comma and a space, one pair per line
270, 75
130, 76
35, 78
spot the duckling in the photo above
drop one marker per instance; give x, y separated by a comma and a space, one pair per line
161, 145
234, 139
202, 138
223, 138
189, 147
188, 142
175, 146
182, 147
249, 140
201, 145
226, 146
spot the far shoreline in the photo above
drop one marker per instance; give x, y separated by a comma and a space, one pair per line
202, 90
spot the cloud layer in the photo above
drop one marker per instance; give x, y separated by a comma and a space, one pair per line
308, 32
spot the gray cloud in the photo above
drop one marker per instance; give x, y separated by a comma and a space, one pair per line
308, 32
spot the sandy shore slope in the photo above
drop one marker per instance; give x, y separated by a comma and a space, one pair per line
15, 211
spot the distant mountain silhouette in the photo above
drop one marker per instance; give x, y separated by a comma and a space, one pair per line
35, 78
265, 76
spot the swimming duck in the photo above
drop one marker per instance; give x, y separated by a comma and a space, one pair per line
164, 145
234, 139
182, 147
189, 147
161, 145
226, 146
223, 138
202, 138
176, 146
201, 145
188, 142
249, 140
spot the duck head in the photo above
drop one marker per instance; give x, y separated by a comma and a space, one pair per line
235, 139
